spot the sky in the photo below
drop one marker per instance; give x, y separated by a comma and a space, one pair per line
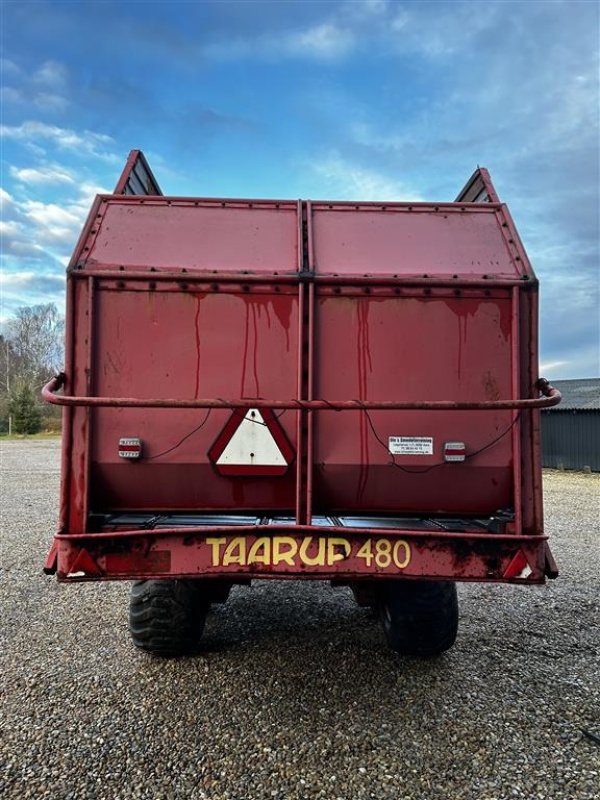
362, 99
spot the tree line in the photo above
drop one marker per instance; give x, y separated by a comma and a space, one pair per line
31, 352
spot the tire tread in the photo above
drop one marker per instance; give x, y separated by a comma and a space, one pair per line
420, 618
166, 617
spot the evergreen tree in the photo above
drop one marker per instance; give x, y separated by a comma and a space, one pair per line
27, 417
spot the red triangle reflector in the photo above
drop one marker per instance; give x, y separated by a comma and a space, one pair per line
252, 443
518, 567
83, 566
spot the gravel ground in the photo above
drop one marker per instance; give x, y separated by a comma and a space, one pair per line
297, 695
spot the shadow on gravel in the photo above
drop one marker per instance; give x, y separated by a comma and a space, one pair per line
309, 639
270, 611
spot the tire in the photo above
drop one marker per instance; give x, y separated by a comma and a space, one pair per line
166, 617
365, 593
420, 618
216, 591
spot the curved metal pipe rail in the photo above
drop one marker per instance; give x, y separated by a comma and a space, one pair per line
550, 397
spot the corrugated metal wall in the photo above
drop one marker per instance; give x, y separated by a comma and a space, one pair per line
571, 439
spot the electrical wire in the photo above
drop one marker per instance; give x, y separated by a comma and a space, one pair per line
202, 424
497, 439
181, 441
258, 422
393, 463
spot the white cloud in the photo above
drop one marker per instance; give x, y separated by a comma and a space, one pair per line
29, 288
326, 41
8, 67
38, 237
51, 102
50, 215
346, 180
45, 231
17, 237
438, 30
37, 241
433, 30
86, 142
399, 21
41, 175
552, 367
51, 73
5, 199
373, 6
19, 280
365, 133
46, 89
9, 228
8, 94
87, 192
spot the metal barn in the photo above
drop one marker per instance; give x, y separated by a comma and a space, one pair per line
571, 431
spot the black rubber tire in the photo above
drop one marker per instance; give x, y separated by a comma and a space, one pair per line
216, 591
419, 618
166, 617
365, 593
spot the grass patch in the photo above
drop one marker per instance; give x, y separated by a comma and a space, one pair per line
21, 436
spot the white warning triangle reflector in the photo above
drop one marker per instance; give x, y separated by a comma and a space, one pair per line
252, 443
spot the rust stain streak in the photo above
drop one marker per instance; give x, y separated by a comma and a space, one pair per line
255, 351
245, 356
364, 363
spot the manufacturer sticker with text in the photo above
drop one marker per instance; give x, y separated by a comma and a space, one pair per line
410, 445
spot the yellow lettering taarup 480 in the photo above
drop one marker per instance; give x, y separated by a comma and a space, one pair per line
344, 391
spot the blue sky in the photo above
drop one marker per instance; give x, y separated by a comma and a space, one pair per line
351, 100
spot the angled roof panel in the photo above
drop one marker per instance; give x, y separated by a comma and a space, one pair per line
582, 394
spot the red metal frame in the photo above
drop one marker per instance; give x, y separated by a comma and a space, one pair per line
463, 282
171, 552
79, 554
516, 432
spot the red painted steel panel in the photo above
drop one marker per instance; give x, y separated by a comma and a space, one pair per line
191, 344
403, 242
212, 236
414, 349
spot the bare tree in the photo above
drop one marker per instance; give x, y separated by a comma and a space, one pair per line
31, 351
6, 360
33, 346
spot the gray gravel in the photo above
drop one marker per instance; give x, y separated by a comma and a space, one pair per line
297, 695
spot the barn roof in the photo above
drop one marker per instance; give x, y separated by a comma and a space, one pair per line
582, 394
